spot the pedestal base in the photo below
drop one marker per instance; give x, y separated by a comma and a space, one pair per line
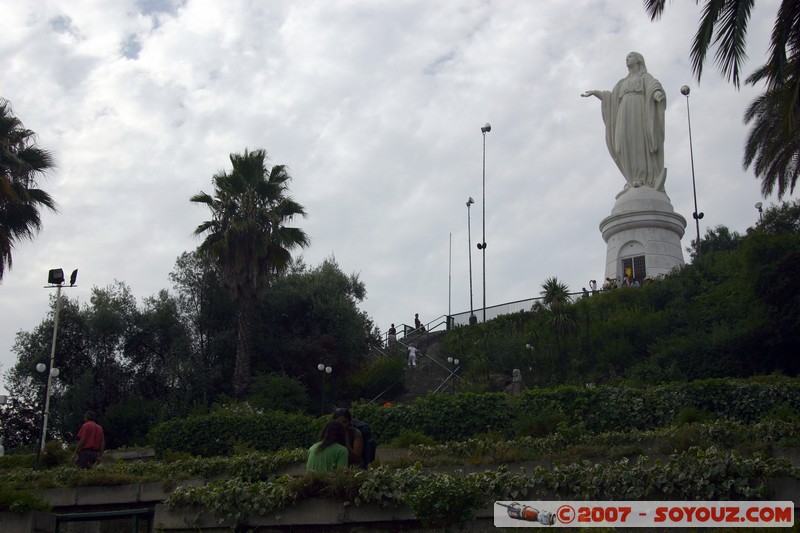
643, 235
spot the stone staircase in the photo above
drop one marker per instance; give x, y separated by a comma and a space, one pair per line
432, 367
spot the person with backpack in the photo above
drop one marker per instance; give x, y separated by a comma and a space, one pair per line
359, 439
354, 439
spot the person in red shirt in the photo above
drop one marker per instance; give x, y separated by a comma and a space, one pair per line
92, 443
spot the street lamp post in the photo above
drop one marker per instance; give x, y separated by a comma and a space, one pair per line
760, 208
325, 370
482, 245
472, 318
52, 373
697, 216
530, 348
454, 362
55, 278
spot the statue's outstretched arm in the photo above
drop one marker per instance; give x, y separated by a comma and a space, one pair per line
593, 92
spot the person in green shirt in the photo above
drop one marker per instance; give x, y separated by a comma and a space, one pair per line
330, 452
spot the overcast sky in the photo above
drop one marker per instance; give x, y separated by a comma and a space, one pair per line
376, 107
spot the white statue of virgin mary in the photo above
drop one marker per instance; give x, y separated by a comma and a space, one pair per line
633, 112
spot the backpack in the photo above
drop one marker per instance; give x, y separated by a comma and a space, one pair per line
370, 444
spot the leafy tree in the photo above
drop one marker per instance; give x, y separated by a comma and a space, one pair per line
783, 218
21, 162
719, 239
31, 348
20, 424
155, 353
772, 267
113, 355
209, 315
249, 240
312, 317
772, 146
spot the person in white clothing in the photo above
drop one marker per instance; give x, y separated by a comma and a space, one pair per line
412, 356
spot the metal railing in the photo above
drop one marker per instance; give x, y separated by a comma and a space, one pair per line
404, 331
519, 306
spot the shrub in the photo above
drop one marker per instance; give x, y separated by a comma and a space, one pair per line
540, 423
692, 415
54, 454
16, 501
445, 499
8, 462
221, 432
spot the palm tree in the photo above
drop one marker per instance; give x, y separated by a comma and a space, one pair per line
772, 145
554, 293
248, 239
21, 161
555, 297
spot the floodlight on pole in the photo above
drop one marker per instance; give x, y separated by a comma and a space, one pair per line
482, 245
697, 216
55, 278
470, 201
759, 206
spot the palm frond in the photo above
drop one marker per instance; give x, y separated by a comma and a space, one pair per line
21, 162
654, 8
731, 38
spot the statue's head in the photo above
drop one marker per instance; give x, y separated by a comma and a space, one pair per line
634, 60
516, 375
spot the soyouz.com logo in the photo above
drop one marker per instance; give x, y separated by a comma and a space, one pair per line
643, 514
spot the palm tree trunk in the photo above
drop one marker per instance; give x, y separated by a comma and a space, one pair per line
241, 373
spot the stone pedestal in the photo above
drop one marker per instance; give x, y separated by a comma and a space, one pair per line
643, 232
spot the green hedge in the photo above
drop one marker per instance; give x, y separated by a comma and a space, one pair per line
449, 417
222, 432
456, 417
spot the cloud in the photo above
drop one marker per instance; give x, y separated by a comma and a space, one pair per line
376, 109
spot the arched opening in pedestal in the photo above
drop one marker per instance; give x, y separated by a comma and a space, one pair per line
631, 263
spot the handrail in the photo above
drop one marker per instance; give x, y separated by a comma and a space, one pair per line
493, 311
462, 319
393, 385
404, 330
423, 355
453, 375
